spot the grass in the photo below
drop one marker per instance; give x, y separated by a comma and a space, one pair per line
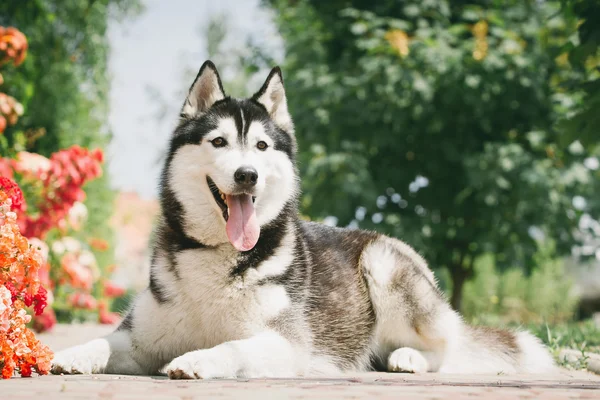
583, 336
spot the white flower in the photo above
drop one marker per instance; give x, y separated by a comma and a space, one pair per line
579, 203
18, 107
87, 258
72, 245
77, 215
58, 248
41, 246
591, 163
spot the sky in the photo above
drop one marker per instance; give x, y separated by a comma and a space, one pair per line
149, 57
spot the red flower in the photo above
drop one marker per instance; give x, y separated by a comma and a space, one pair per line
25, 370
69, 170
45, 321
106, 317
13, 291
111, 290
40, 300
28, 299
14, 193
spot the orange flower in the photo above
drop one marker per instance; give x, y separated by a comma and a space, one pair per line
98, 244
19, 286
480, 31
13, 44
399, 41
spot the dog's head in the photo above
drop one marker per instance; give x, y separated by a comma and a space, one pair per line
231, 164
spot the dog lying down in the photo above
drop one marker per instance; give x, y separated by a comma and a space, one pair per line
241, 287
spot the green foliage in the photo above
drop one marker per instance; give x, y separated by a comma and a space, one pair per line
584, 58
582, 336
64, 82
437, 122
574, 335
498, 298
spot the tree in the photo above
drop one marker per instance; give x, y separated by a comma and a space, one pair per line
435, 122
581, 120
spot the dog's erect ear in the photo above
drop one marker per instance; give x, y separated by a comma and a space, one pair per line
204, 92
272, 96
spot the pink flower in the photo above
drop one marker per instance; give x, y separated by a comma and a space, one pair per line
5, 167
111, 290
5, 303
41, 246
31, 165
106, 317
81, 276
42, 323
83, 300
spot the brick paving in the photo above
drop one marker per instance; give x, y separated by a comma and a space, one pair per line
563, 385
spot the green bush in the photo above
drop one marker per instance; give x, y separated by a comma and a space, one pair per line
494, 298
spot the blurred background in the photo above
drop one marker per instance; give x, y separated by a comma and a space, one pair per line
469, 129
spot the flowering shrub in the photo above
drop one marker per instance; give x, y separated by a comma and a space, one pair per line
58, 216
62, 179
19, 288
47, 205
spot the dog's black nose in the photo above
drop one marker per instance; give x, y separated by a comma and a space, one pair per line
246, 176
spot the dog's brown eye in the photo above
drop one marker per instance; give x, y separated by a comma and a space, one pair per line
218, 142
261, 145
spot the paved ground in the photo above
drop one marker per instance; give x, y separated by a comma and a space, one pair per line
564, 385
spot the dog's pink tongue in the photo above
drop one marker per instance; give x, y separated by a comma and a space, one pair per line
242, 226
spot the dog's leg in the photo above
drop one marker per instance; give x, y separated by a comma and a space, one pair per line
265, 355
414, 325
109, 355
417, 331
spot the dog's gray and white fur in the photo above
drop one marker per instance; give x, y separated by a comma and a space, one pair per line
303, 299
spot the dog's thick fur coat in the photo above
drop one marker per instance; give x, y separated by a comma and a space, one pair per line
305, 299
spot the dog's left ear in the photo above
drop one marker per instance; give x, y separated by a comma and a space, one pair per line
272, 96
204, 92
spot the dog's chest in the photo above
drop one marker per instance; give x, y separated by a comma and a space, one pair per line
221, 306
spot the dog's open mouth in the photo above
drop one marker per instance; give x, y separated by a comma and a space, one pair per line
219, 196
239, 214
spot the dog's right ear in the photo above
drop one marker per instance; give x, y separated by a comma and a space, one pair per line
204, 92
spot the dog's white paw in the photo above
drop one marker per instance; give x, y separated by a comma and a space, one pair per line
406, 359
72, 361
90, 358
199, 364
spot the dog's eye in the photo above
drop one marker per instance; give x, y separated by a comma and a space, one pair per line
262, 145
218, 142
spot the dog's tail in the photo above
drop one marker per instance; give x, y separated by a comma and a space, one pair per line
491, 350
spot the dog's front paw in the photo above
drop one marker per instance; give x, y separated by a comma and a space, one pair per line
406, 359
200, 364
90, 358
72, 361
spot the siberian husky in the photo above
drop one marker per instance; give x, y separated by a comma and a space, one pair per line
241, 287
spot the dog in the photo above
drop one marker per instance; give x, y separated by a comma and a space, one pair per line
241, 287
